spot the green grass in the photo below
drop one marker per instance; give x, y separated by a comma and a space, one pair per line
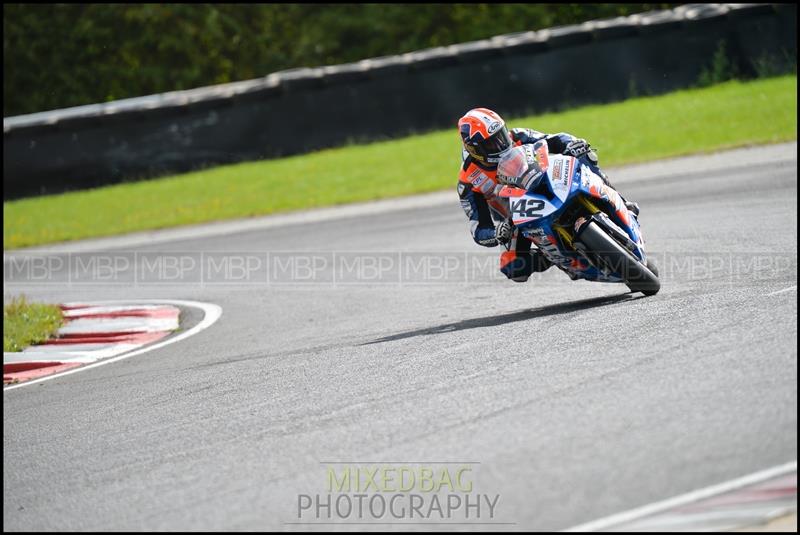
25, 323
697, 120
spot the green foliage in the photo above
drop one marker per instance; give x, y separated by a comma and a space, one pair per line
25, 323
61, 55
721, 70
767, 65
727, 115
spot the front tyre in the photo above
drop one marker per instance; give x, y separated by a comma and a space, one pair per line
654, 269
608, 254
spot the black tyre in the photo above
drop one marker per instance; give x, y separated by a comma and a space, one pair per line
618, 259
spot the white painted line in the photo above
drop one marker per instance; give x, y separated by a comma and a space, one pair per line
789, 289
74, 312
14, 358
100, 350
112, 325
212, 314
683, 499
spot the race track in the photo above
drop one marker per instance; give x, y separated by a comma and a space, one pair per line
578, 399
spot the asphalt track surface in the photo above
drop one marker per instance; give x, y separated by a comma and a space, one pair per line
578, 400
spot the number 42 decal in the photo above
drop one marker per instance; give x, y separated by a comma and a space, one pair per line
526, 208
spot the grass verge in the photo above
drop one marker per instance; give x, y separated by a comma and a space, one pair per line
698, 120
25, 323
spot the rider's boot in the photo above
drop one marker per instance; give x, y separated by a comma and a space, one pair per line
518, 266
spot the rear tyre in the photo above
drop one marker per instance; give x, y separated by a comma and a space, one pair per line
614, 257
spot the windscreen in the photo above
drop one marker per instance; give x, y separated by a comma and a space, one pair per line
519, 167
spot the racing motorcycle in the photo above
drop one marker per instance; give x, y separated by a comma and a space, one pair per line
579, 223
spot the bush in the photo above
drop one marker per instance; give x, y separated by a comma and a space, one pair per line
724, 68
721, 70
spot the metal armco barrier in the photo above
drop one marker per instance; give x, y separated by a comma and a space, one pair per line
299, 110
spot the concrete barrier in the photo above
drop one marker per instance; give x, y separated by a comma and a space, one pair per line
299, 110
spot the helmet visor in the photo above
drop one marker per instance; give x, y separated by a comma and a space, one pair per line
497, 142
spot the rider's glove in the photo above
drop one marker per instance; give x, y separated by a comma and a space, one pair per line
632, 207
578, 147
503, 231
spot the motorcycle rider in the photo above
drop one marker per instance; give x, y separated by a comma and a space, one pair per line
485, 139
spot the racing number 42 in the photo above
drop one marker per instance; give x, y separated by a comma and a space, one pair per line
526, 208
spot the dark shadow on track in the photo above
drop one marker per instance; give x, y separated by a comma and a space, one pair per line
523, 315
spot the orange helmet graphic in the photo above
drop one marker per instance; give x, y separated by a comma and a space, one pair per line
484, 135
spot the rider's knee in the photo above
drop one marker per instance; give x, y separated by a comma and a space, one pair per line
518, 268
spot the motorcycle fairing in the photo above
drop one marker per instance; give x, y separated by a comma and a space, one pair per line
535, 211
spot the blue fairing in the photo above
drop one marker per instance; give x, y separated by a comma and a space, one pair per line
535, 213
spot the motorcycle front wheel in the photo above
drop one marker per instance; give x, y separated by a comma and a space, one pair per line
618, 259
